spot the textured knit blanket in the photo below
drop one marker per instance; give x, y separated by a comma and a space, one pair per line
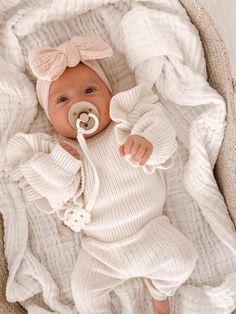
154, 42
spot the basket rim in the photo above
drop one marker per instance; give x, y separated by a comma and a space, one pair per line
216, 53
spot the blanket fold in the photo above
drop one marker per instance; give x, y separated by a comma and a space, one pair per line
180, 85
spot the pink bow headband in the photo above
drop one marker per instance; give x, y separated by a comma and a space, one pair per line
47, 63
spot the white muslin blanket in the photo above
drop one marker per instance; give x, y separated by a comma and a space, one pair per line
154, 42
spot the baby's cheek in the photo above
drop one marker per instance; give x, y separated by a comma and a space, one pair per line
63, 127
68, 132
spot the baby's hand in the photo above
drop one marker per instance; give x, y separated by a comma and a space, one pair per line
70, 150
139, 148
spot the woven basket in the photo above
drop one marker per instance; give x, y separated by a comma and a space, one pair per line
220, 78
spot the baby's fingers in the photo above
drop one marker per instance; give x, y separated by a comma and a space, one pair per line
140, 152
121, 150
135, 148
126, 147
138, 147
145, 156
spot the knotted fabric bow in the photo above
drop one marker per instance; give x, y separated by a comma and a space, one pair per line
49, 63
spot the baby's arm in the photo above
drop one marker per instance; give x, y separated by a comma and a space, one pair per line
141, 114
47, 173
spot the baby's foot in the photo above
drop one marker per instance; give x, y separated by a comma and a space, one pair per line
161, 307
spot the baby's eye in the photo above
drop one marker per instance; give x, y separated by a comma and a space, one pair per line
62, 99
89, 90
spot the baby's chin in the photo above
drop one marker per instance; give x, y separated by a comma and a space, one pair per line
73, 134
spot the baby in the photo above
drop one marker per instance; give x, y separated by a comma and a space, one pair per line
110, 185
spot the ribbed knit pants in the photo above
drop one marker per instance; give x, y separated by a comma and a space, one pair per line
158, 252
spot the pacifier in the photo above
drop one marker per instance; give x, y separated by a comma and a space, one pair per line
84, 115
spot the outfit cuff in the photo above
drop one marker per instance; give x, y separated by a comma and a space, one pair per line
65, 160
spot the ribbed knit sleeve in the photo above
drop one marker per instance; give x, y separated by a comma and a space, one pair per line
138, 111
48, 175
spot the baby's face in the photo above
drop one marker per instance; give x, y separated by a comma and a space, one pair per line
76, 84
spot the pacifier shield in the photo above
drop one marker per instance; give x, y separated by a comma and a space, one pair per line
88, 115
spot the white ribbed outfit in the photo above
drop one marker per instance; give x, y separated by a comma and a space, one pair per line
128, 236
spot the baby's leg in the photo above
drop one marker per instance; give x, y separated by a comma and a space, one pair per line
175, 261
91, 283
